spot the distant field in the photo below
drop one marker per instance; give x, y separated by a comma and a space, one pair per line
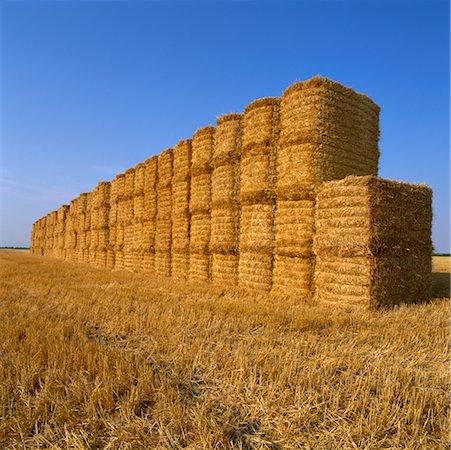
97, 359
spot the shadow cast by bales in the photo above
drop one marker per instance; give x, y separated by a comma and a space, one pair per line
440, 284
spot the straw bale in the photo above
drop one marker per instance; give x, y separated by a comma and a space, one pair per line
180, 234
138, 185
257, 179
227, 145
137, 261
101, 258
199, 267
294, 223
129, 185
373, 281
180, 265
364, 216
165, 160
103, 217
138, 207
180, 198
200, 195
255, 271
256, 233
127, 210
260, 125
148, 263
224, 269
223, 185
148, 235
200, 233
102, 237
110, 258
114, 191
150, 204
119, 260
182, 160
150, 174
293, 276
138, 236
224, 232
163, 264
163, 235
164, 203
112, 237
202, 150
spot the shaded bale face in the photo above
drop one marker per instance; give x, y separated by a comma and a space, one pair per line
180, 198
163, 235
257, 180
129, 183
200, 233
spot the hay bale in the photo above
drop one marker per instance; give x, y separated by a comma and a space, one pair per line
119, 260
165, 160
255, 271
369, 216
223, 185
200, 195
138, 182
224, 269
200, 233
227, 145
150, 187
294, 223
110, 258
257, 233
101, 258
292, 276
199, 267
260, 125
202, 150
224, 231
163, 264
148, 263
180, 234
129, 184
138, 208
164, 203
128, 246
182, 160
257, 179
180, 265
163, 236
148, 235
180, 198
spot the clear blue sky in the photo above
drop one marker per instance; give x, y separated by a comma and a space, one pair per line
92, 88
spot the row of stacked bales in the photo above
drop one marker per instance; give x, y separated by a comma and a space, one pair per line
138, 217
59, 242
99, 230
373, 242
200, 204
257, 194
327, 132
120, 222
149, 214
79, 226
112, 224
180, 214
86, 243
128, 219
163, 232
225, 203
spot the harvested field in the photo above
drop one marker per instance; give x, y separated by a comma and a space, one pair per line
96, 359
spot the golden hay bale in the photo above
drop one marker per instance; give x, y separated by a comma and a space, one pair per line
112, 237
180, 265
127, 210
163, 236
182, 160
138, 208
150, 204
260, 125
199, 267
129, 184
102, 237
255, 271
180, 234
164, 203
102, 217
224, 269
163, 264
227, 145
364, 216
224, 232
200, 195
165, 160
223, 185
150, 174
148, 263
180, 197
101, 258
138, 185
137, 260
119, 260
293, 276
148, 235
138, 236
294, 228
257, 228
110, 259
257, 179
202, 150
373, 281
200, 233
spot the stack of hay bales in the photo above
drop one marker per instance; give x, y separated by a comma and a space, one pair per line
70, 239
61, 230
112, 224
129, 186
138, 217
257, 193
120, 225
180, 209
163, 235
99, 224
373, 242
79, 226
225, 204
150, 214
200, 204
327, 131
87, 227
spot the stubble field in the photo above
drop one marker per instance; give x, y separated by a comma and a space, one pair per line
91, 358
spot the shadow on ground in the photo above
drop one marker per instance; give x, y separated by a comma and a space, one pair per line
440, 284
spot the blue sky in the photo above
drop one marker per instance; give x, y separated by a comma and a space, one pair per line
92, 88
